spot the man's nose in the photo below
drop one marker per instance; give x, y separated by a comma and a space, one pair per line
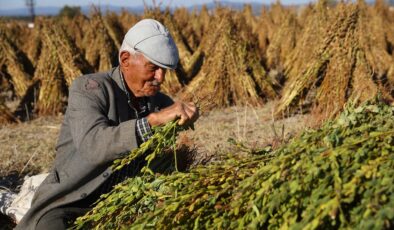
160, 74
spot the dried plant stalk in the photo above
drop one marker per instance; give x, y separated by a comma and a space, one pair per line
51, 96
17, 64
100, 48
6, 115
349, 66
231, 73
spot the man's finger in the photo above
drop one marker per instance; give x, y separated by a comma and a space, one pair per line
190, 111
184, 117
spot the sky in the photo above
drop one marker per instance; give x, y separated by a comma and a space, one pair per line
13, 4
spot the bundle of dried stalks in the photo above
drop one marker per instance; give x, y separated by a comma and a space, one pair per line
127, 20
264, 26
268, 23
349, 66
250, 18
72, 62
18, 32
282, 42
231, 73
34, 43
315, 23
114, 27
100, 49
201, 25
194, 26
4, 77
186, 20
387, 15
5, 114
172, 85
75, 28
52, 90
17, 64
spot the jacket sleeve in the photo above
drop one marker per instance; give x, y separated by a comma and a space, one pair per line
95, 139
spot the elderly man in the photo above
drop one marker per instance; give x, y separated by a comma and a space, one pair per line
108, 115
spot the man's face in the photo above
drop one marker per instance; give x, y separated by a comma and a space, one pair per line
142, 77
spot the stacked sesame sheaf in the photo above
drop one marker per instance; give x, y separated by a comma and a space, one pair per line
317, 59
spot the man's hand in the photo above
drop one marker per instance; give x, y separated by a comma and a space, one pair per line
186, 112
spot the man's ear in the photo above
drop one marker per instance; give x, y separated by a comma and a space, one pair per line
124, 58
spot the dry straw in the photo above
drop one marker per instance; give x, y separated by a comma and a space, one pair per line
75, 28
18, 32
194, 25
59, 64
6, 115
17, 64
72, 62
250, 18
172, 85
51, 97
100, 49
34, 43
127, 20
186, 20
349, 65
282, 42
112, 23
231, 73
315, 21
192, 28
268, 23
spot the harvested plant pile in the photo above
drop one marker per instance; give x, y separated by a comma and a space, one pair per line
232, 73
18, 66
315, 21
319, 59
189, 22
351, 64
51, 98
114, 27
75, 29
60, 62
336, 177
268, 23
100, 48
6, 115
283, 42
387, 14
127, 20
72, 62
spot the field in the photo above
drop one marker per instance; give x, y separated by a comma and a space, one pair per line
280, 92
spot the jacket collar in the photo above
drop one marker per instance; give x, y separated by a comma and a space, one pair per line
115, 75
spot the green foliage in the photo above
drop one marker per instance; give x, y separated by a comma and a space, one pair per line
337, 177
162, 139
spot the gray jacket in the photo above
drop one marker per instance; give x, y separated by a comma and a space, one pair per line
98, 127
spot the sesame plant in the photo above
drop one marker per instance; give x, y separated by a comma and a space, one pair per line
336, 177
